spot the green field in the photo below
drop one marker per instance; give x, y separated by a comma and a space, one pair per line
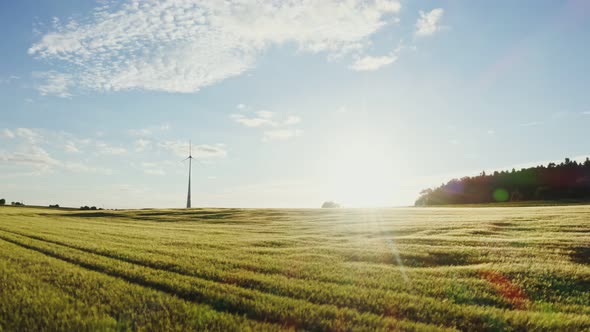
512, 268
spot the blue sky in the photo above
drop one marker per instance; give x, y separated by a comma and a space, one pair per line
288, 104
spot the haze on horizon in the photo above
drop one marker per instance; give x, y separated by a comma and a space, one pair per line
288, 104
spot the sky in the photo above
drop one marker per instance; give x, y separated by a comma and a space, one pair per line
287, 103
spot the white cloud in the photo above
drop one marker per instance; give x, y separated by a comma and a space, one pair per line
269, 119
70, 146
241, 106
42, 137
388, 6
292, 120
7, 133
148, 131
152, 169
428, 23
142, 144
281, 134
104, 148
253, 121
265, 114
140, 132
40, 162
55, 83
586, 113
264, 119
182, 46
370, 63
209, 151
530, 124
203, 151
491, 132
32, 156
78, 167
9, 79
31, 136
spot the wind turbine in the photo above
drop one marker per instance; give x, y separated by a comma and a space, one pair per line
190, 159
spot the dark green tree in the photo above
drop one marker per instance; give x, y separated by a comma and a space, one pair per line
569, 180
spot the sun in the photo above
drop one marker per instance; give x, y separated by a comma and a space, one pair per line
361, 173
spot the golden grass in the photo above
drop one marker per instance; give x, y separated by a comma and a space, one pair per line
510, 268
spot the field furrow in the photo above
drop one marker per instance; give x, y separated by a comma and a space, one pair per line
397, 269
222, 297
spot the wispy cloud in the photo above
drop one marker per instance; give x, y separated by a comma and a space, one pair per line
142, 144
203, 151
55, 83
182, 46
104, 148
530, 124
79, 167
35, 151
39, 161
429, 23
152, 168
262, 118
71, 146
32, 156
292, 120
29, 135
281, 134
148, 131
152, 171
7, 133
9, 79
35, 136
370, 63
283, 128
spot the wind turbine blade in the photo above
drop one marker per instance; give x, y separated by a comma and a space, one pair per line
198, 161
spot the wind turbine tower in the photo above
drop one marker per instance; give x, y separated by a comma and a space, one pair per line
190, 159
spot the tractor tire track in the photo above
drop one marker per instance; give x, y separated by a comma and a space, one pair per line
361, 306
235, 300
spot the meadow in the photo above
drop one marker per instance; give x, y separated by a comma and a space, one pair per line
425, 269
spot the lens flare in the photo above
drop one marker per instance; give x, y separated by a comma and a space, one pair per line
500, 195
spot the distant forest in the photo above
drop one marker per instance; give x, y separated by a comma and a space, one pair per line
567, 181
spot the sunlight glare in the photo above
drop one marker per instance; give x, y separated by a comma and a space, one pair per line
361, 174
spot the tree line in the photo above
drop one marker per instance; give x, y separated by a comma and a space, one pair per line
568, 180
86, 207
3, 202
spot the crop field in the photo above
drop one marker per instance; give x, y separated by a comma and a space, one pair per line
438, 269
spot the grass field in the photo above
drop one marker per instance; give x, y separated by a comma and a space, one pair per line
512, 268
